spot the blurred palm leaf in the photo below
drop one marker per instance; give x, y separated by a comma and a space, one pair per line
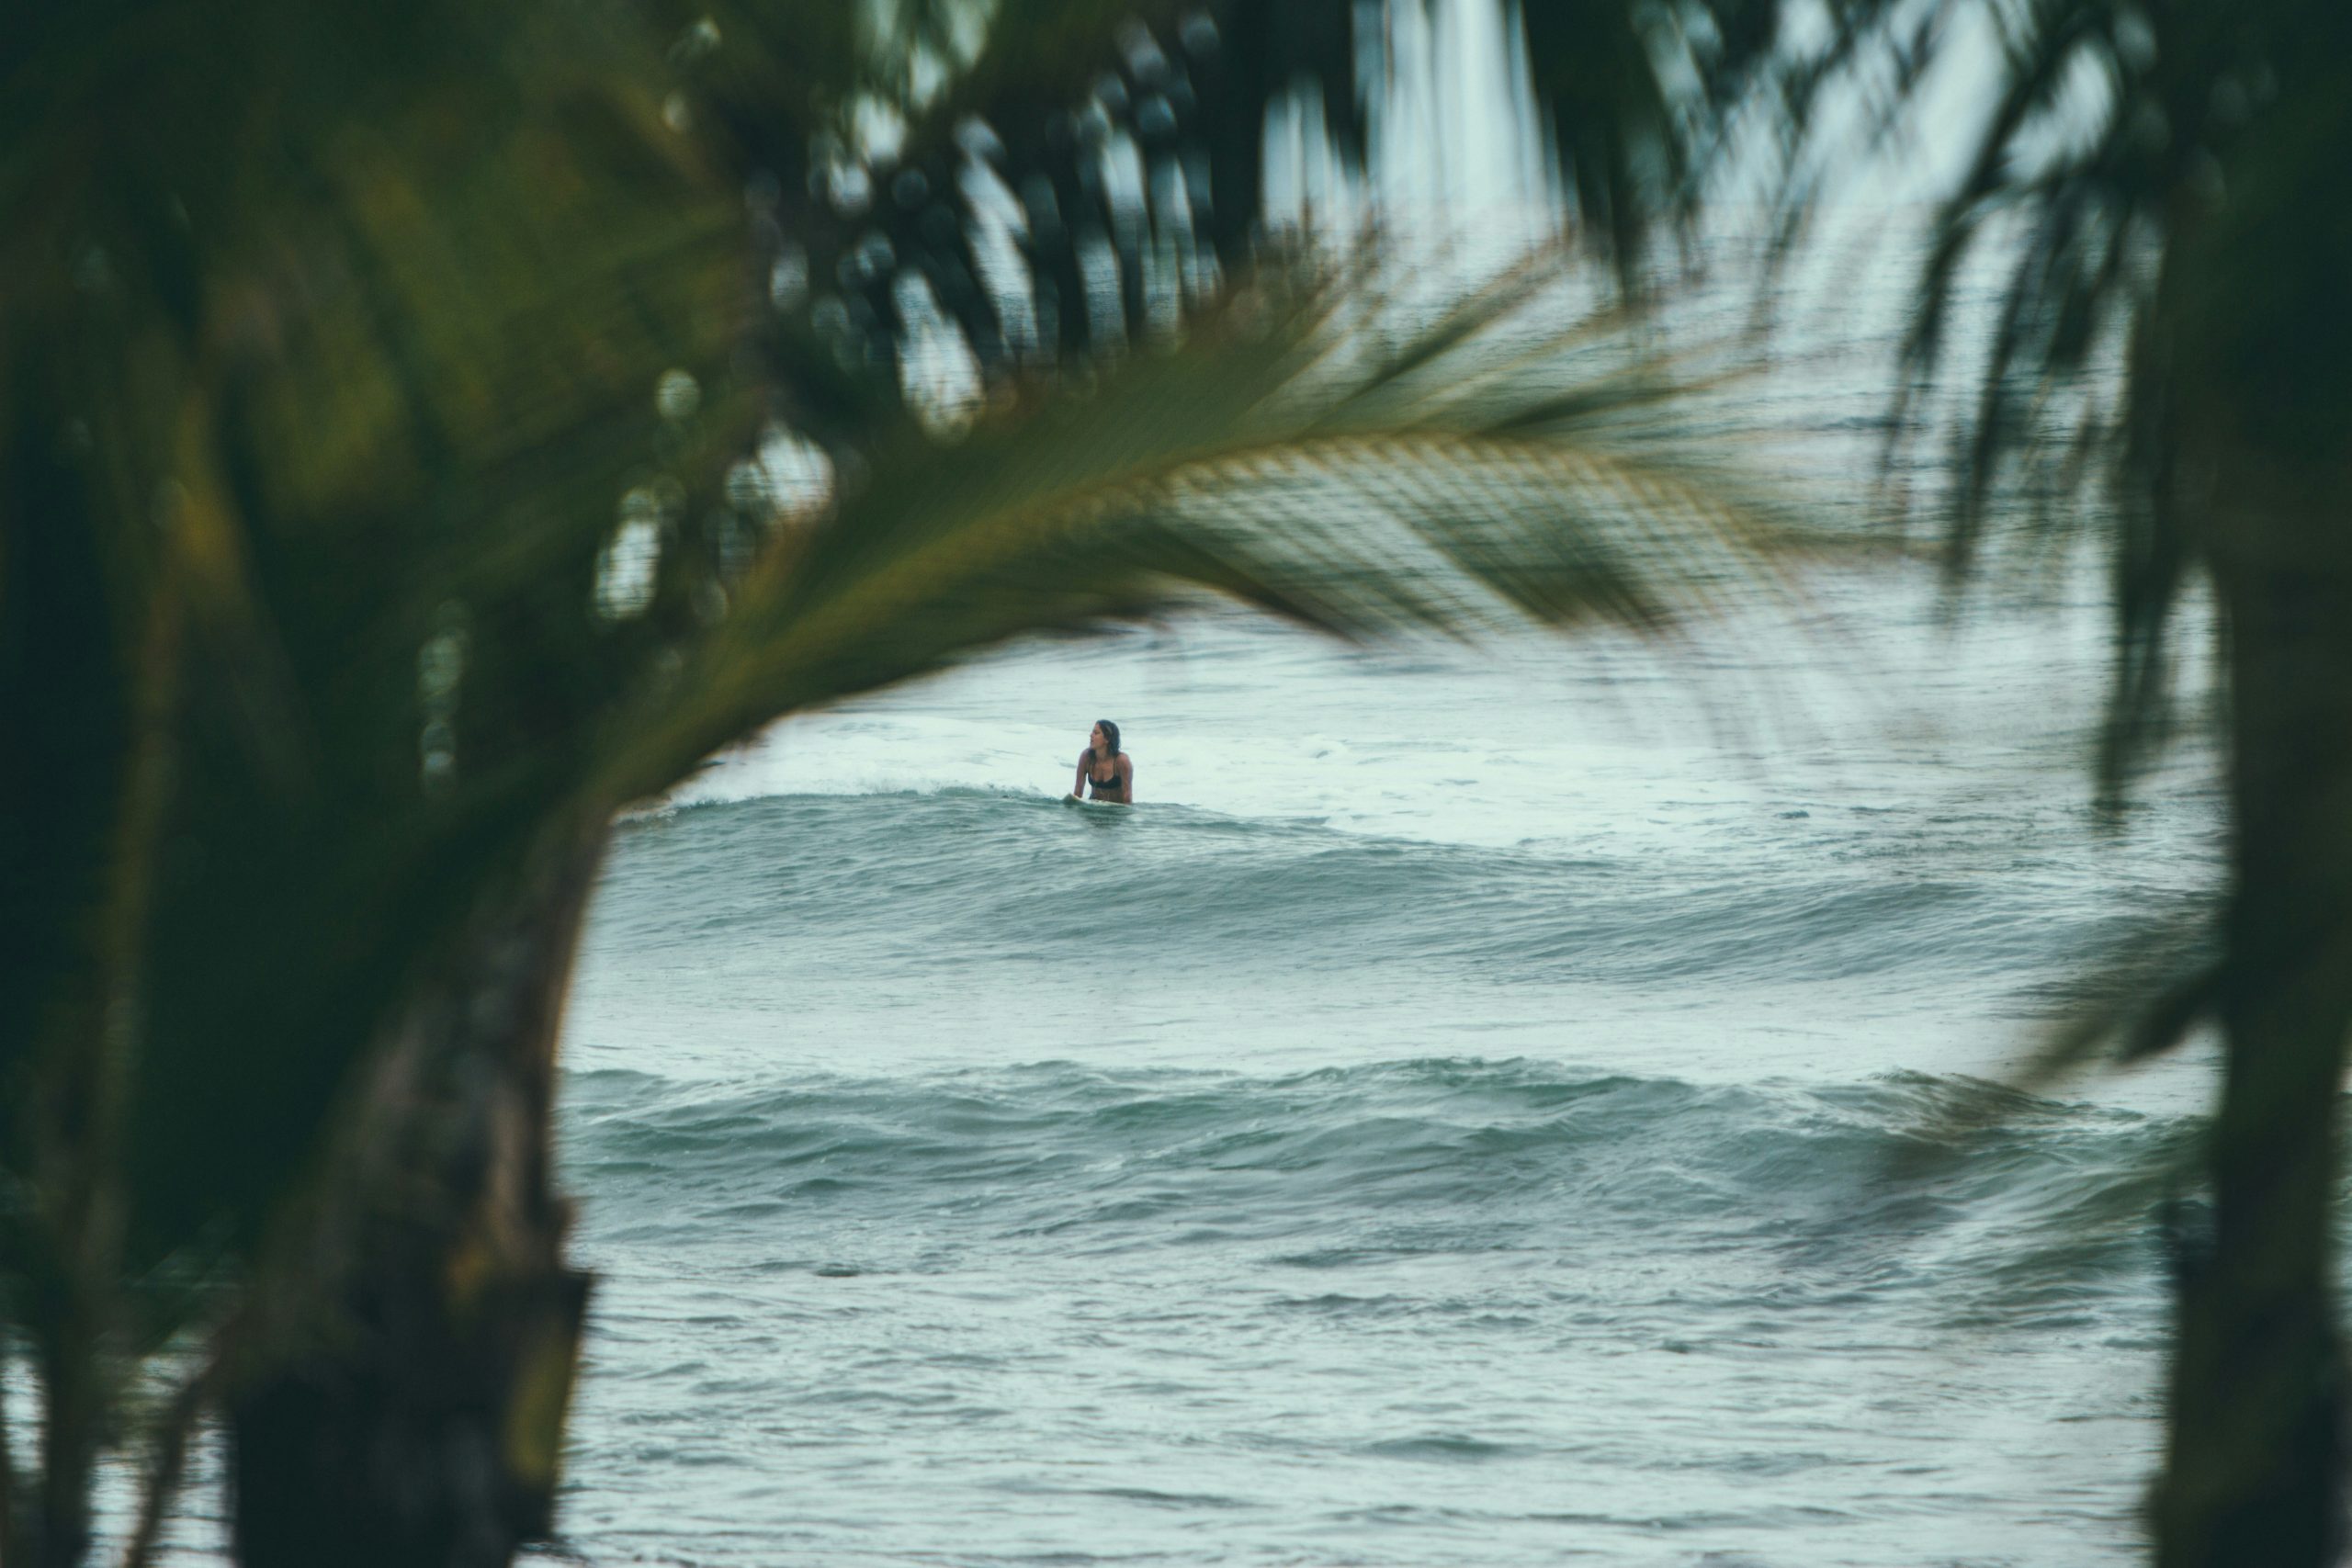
1503, 464
2169, 370
353, 322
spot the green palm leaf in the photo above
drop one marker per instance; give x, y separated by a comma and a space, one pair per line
1549, 482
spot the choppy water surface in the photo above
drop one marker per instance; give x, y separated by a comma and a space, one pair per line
1481, 1108
1471, 1112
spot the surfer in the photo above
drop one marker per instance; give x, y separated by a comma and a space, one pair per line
1106, 767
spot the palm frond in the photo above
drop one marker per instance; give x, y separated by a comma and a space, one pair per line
1242, 464
2107, 174
365, 339
1053, 107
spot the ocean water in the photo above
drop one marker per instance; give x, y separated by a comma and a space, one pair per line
1494, 1106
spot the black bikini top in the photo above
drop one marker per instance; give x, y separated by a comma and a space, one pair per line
1112, 785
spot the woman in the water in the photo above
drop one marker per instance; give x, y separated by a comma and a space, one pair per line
1106, 767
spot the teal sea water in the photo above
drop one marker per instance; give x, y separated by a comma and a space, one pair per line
1481, 1108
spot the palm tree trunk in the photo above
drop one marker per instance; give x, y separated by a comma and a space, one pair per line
2254, 1475
422, 1426
70, 1435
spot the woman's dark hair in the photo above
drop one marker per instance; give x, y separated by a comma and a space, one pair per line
1110, 735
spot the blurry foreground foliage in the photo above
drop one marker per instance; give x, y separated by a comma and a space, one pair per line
425, 428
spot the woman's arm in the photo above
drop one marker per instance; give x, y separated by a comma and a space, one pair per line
1126, 780
1077, 790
